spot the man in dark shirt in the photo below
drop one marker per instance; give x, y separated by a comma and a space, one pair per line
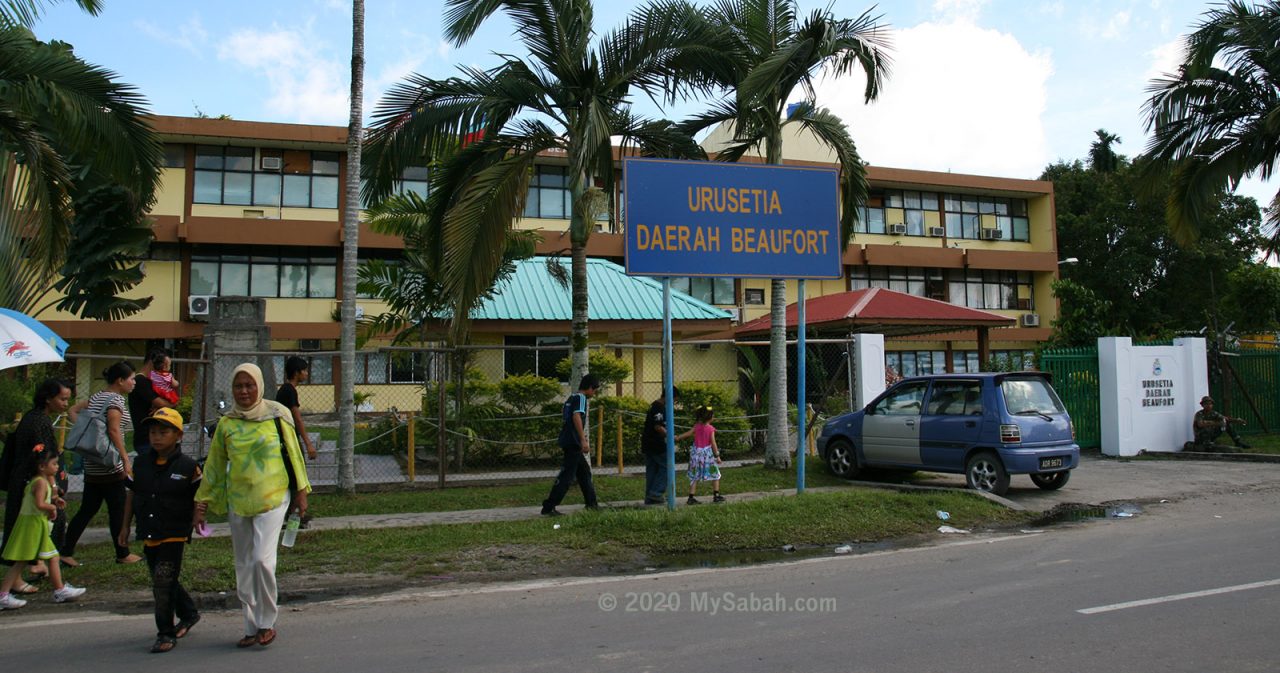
1209, 424
653, 443
296, 372
576, 465
143, 400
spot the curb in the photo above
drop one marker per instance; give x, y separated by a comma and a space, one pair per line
1213, 456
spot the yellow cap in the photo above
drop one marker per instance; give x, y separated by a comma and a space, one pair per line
167, 416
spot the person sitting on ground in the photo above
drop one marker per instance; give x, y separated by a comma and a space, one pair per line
1209, 424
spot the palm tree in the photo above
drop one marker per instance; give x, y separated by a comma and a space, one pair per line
570, 94
768, 52
61, 119
1102, 154
350, 250
1214, 121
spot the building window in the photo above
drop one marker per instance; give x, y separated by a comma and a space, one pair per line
964, 216
549, 194
239, 176
919, 281
990, 289
966, 362
706, 290
916, 363
175, 156
320, 368
267, 272
540, 361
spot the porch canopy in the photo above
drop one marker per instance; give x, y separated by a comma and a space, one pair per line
880, 311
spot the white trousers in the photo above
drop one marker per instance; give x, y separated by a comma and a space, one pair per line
254, 541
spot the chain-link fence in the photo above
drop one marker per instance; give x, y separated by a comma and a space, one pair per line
493, 412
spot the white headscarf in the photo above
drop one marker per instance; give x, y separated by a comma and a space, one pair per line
262, 409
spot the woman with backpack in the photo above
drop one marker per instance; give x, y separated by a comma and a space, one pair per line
106, 482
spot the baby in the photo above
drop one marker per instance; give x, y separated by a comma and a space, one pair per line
162, 379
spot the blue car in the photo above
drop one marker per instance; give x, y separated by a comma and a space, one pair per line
986, 426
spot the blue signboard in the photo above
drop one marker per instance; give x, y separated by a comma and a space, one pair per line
701, 218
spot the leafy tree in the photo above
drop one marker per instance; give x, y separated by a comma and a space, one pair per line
111, 237
766, 52
1252, 299
607, 368
1132, 279
1213, 122
411, 286
570, 94
55, 108
526, 393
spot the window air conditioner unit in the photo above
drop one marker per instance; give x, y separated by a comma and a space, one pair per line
993, 234
897, 229
200, 305
272, 163
702, 347
938, 232
735, 314
1030, 320
308, 344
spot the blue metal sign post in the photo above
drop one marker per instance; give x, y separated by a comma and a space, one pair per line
801, 375
698, 218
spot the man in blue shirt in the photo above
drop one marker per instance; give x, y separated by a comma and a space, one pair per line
573, 442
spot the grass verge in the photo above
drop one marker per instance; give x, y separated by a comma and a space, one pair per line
585, 543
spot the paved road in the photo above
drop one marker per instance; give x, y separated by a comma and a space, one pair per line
1053, 600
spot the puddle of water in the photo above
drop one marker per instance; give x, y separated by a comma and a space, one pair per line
745, 557
1077, 513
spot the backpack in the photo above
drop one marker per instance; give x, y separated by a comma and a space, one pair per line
88, 437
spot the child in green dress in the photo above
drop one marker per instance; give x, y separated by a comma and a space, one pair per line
30, 539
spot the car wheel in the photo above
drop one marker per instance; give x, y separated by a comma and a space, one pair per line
985, 472
841, 459
1051, 481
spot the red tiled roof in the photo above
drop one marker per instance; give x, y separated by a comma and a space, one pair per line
880, 310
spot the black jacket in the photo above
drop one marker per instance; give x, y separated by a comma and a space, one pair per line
164, 495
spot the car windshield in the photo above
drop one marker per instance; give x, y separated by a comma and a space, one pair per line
1030, 396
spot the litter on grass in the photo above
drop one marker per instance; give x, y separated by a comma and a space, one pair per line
952, 529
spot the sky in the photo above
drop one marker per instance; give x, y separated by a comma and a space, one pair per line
987, 87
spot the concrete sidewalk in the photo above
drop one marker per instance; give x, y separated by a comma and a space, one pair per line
1096, 481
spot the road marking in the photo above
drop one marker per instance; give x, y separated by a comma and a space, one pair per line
64, 621
534, 585
1178, 597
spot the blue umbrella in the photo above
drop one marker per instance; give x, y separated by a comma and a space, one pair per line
26, 341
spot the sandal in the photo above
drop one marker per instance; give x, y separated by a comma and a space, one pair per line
247, 641
69, 562
131, 558
164, 644
266, 637
23, 588
185, 625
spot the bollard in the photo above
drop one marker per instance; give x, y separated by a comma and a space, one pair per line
413, 463
620, 471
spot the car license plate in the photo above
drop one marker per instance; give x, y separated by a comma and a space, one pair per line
1050, 463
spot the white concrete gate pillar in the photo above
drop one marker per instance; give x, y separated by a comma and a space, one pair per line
868, 359
1149, 394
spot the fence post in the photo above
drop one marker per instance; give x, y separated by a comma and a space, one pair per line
600, 436
413, 465
620, 470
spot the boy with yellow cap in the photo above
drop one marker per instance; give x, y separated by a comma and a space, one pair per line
162, 492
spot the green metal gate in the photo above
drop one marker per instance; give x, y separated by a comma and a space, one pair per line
1249, 387
1075, 377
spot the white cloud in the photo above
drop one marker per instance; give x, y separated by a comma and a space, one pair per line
1117, 26
960, 98
302, 84
189, 36
1165, 59
959, 10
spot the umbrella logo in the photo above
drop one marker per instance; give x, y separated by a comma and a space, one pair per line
16, 349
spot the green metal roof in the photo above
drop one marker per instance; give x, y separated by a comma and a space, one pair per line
532, 294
